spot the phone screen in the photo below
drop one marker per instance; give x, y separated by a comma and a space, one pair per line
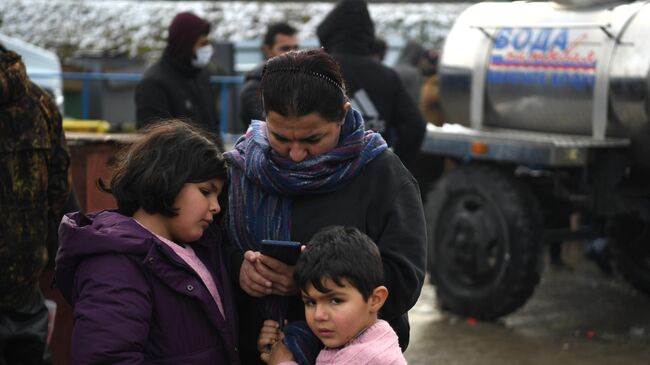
285, 251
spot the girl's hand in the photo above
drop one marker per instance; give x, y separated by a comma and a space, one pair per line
250, 280
269, 335
278, 273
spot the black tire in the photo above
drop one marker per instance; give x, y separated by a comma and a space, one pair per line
485, 245
631, 250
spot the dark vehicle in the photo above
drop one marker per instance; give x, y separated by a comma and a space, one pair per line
552, 105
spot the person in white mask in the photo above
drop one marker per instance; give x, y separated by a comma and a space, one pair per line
203, 55
177, 85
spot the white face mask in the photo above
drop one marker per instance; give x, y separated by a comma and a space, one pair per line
203, 56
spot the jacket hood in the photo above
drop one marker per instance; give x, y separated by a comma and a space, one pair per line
83, 235
348, 28
13, 78
184, 30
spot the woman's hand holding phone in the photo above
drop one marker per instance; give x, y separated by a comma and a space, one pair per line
279, 274
250, 280
262, 275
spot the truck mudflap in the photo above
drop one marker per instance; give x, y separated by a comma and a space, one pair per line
515, 146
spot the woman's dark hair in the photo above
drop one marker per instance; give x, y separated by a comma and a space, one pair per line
338, 253
149, 173
298, 83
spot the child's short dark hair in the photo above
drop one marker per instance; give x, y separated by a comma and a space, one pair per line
338, 253
149, 173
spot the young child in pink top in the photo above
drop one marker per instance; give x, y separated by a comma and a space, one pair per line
340, 276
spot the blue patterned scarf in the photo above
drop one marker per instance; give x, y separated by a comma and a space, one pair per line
262, 183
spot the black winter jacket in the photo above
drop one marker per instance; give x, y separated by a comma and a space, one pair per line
389, 212
173, 90
347, 33
250, 104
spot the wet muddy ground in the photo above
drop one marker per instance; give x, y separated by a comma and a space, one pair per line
578, 316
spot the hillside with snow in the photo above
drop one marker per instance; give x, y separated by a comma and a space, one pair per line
133, 28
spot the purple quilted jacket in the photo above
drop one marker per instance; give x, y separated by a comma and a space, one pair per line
135, 301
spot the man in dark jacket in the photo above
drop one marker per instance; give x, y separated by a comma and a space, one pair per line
178, 86
34, 187
279, 38
347, 33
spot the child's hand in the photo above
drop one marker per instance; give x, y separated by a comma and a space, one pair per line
269, 334
279, 353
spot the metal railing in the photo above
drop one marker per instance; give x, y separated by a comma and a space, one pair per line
225, 82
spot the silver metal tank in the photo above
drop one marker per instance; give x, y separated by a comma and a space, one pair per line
572, 66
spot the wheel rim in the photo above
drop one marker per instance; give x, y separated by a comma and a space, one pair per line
472, 244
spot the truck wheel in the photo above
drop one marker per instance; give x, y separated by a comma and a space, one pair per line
631, 251
485, 251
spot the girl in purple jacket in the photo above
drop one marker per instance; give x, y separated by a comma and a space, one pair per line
147, 281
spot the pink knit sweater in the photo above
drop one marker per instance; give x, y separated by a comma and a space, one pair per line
377, 345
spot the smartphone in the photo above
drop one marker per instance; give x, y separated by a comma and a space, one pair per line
285, 251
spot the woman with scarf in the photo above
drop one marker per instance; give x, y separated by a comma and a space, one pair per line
312, 164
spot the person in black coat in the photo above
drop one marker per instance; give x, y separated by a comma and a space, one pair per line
279, 38
311, 164
347, 33
177, 85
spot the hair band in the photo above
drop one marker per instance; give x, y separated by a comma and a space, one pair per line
306, 72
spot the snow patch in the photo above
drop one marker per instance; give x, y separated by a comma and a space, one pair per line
133, 28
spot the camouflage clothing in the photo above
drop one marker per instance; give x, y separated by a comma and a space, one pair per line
34, 183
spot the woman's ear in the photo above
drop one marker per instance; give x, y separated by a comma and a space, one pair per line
346, 109
378, 298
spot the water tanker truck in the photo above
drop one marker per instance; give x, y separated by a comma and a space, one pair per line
548, 114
